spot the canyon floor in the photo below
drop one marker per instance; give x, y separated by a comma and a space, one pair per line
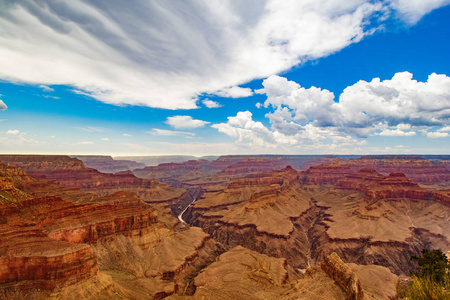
232, 227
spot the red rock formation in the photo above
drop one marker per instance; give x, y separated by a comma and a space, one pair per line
397, 186
33, 260
119, 213
250, 165
71, 173
368, 219
360, 181
416, 168
329, 173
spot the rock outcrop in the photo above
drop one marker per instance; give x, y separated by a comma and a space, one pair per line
329, 173
343, 276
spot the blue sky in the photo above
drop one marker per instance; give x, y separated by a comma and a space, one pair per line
177, 77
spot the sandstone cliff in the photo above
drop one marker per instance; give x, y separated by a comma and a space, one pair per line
72, 173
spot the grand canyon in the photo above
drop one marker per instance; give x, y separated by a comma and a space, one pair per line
225, 150
228, 227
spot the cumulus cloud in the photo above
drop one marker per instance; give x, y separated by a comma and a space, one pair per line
185, 122
399, 100
163, 132
13, 132
396, 107
446, 128
396, 132
257, 136
211, 104
155, 53
363, 107
435, 134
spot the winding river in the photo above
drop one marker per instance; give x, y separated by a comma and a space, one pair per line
180, 216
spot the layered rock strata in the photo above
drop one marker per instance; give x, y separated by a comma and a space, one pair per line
72, 173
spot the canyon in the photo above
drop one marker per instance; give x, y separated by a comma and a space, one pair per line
232, 227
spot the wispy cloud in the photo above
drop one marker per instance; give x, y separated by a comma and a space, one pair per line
84, 143
90, 129
211, 104
163, 132
127, 135
3, 105
17, 137
158, 55
46, 88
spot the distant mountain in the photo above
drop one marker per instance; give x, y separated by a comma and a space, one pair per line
107, 164
156, 160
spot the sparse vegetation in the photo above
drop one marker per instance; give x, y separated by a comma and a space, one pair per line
431, 280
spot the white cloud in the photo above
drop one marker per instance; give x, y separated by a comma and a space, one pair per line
363, 107
256, 136
211, 104
185, 122
300, 116
234, 92
46, 88
399, 100
397, 132
163, 132
126, 134
105, 139
413, 10
155, 53
446, 128
14, 132
435, 134
17, 138
3, 105
50, 97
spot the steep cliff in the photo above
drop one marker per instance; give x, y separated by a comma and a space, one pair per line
418, 169
72, 173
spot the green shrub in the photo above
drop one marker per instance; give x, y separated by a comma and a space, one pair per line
424, 288
431, 280
432, 264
